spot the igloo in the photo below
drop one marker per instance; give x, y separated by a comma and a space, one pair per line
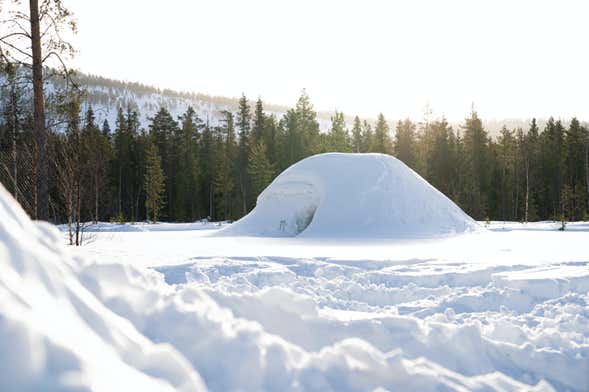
352, 195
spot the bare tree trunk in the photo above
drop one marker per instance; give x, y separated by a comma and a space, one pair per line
136, 213
587, 170
527, 191
69, 226
70, 218
210, 202
243, 193
39, 112
14, 130
96, 200
35, 177
516, 171
120, 191
78, 208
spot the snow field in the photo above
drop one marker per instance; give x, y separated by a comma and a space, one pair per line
473, 320
491, 323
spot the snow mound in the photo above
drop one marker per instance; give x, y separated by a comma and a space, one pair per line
56, 335
352, 195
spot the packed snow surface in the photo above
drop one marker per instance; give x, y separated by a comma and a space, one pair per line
352, 195
173, 307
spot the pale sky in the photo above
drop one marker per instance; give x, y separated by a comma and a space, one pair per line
511, 58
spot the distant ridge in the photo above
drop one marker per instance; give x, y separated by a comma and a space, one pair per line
106, 95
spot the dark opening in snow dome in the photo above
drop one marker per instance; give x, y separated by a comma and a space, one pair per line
352, 195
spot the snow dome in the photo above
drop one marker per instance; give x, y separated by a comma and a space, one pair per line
352, 195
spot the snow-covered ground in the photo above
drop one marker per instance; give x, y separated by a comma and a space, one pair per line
503, 309
192, 307
504, 306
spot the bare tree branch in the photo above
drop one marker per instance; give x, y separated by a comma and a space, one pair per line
66, 70
17, 49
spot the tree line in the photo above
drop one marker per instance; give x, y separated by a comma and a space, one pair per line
183, 169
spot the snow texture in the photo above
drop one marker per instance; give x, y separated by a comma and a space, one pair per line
352, 195
463, 313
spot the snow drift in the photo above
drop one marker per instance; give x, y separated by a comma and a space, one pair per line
56, 335
352, 195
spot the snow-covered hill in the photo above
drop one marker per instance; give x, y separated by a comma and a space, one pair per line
107, 95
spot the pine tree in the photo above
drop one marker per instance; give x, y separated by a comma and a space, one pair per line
186, 200
207, 152
260, 169
382, 137
440, 161
357, 135
476, 168
271, 137
138, 155
106, 129
122, 166
553, 168
258, 125
531, 172
164, 131
70, 168
98, 153
223, 182
12, 126
154, 182
404, 147
244, 125
292, 148
338, 137
506, 145
367, 144
574, 167
307, 125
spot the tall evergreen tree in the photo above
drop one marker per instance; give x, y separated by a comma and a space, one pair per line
186, 200
164, 131
575, 169
338, 134
553, 168
382, 137
506, 149
357, 135
98, 154
122, 167
307, 124
223, 182
260, 169
207, 152
404, 146
367, 137
532, 170
271, 137
441, 163
244, 125
258, 122
154, 182
476, 169
12, 126
292, 148
106, 129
